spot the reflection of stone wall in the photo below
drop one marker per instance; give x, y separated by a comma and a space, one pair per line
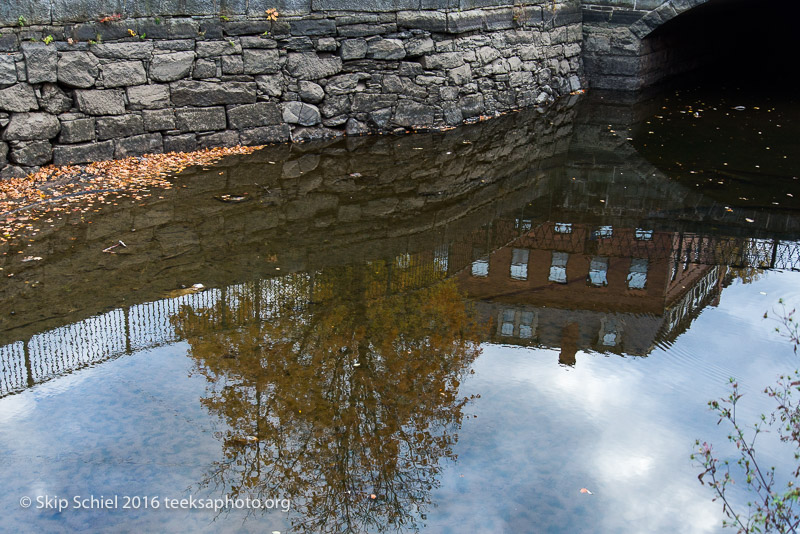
87, 91
312, 207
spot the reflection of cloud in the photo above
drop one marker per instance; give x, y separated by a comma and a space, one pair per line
16, 408
604, 425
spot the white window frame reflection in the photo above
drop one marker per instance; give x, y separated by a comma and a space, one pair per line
604, 232
598, 272
522, 224
441, 258
563, 228
521, 324
519, 263
480, 268
643, 235
609, 335
637, 275
558, 267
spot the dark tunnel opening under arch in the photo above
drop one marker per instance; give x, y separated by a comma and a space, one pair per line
728, 42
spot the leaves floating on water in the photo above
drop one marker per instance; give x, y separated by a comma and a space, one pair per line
74, 188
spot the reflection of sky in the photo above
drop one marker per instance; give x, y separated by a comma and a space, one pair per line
622, 427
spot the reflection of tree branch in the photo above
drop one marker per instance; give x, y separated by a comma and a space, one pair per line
353, 397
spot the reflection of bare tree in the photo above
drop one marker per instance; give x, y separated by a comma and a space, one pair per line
350, 397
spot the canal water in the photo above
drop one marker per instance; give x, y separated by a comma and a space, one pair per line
445, 332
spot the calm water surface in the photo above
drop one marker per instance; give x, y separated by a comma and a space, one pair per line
443, 333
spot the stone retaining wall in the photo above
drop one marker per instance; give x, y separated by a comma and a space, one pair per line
111, 88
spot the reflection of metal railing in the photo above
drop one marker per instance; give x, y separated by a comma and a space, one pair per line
103, 337
694, 300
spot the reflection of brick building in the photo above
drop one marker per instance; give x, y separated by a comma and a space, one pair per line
580, 287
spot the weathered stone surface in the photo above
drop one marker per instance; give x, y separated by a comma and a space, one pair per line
471, 105
355, 127
487, 54
363, 102
200, 119
260, 61
78, 69
148, 97
13, 171
365, 30
204, 68
353, 49
119, 126
447, 60
270, 85
227, 138
19, 97
460, 75
311, 92
193, 93
123, 73
68, 155
31, 126
253, 115
334, 106
232, 64
8, 70
77, 131
265, 135
301, 113
54, 100
160, 119
386, 49
138, 145
326, 44
31, 153
433, 21
409, 113
218, 48
140, 50
257, 42
419, 47
3, 152
453, 115
298, 44
309, 66
180, 143
342, 84
41, 61
101, 101
172, 67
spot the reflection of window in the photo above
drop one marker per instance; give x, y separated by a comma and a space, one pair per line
513, 323
609, 333
637, 277
563, 228
480, 267
643, 235
441, 257
558, 268
480, 264
526, 325
604, 232
403, 261
507, 326
598, 272
522, 224
519, 264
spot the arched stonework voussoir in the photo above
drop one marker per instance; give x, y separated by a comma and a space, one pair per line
656, 17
